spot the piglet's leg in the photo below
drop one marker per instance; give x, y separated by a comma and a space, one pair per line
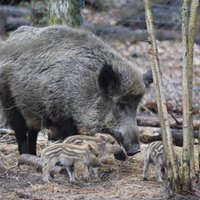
158, 173
46, 169
87, 171
145, 168
71, 173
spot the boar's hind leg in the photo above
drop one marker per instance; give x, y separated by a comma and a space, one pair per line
17, 123
32, 140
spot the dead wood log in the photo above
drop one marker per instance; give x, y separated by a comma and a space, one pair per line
31, 160
4, 131
150, 134
14, 11
13, 23
111, 32
11, 17
155, 122
36, 162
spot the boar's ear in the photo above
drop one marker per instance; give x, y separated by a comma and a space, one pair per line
108, 80
148, 78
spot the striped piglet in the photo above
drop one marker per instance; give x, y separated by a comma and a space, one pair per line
155, 155
67, 155
105, 142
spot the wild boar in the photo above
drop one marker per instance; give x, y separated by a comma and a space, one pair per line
68, 79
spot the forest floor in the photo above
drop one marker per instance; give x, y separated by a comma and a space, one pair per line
117, 180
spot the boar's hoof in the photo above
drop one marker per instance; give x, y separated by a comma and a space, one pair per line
121, 156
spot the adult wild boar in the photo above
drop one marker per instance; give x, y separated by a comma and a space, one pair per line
67, 79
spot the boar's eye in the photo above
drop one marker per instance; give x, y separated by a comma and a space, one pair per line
122, 105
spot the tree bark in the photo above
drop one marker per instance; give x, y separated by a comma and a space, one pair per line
65, 12
158, 85
199, 152
187, 81
191, 35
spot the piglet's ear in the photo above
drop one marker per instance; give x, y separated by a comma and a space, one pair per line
90, 147
102, 139
148, 78
108, 80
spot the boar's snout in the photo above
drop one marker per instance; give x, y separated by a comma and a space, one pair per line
134, 150
130, 141
121, 155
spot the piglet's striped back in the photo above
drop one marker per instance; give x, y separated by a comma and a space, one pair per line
155, 149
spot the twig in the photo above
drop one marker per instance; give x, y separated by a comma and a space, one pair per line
9, 169
172, 115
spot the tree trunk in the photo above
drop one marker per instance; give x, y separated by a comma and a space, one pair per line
191, 35
158, 85
188, 43
186, 105
199, 151
65, 12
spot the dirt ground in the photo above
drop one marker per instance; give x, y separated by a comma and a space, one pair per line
117, 180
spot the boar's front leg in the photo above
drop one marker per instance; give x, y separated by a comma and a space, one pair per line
32, 140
